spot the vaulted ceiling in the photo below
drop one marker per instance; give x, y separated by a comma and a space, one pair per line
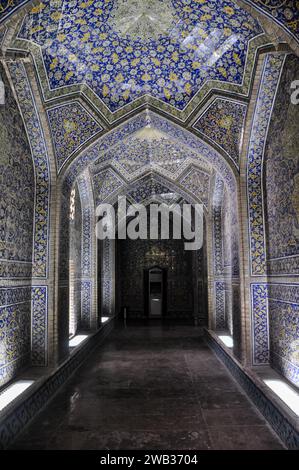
121, 54
101, 61
126, 49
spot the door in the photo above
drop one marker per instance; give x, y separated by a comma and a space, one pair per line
155, 288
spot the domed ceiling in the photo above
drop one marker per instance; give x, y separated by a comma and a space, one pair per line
126, 50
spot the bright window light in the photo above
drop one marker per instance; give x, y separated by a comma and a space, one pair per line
227, 340
13, 391
286, 393
104, 319
76, 340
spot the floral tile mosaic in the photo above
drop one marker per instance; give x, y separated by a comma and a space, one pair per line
126, 49
71, 126
223, 123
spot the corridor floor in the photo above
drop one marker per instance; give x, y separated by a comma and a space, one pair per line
150, 387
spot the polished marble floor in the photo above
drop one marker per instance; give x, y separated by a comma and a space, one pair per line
150, 387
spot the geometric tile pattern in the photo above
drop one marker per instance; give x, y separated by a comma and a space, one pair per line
105, 184
227, 229
220, 322
150, 148
104, 144
198, 183
284, 329
270, 79
147, 188
167, 51
260, 323
86, 295
87, 203
71, 126
193, 146
223, 123
217, 226
39, 325
108, 254
14, 330
86, 242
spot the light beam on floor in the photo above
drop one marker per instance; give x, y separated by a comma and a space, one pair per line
104, 319
227, 340
76, 340
13, 391
286, 393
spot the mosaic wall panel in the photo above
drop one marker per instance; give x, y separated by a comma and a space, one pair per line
260, 323
86, 242
235, 237
87, 248
105, 184
39, 325
275, 314
236, 319
217, 226
229, 314
86, 293
218, 244
15, 320
198, 183
220, 322
284, 329
108, 277
281, 176
17, 191
42, 174
147, 188
165, 53
192, 143
227, 229
283, 12
107, 142
87, 202
223, 123
75, 269
71, 126
270, 79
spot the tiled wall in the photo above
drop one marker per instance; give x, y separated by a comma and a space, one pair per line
16, 236
283, 304
281, 176
75, 265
